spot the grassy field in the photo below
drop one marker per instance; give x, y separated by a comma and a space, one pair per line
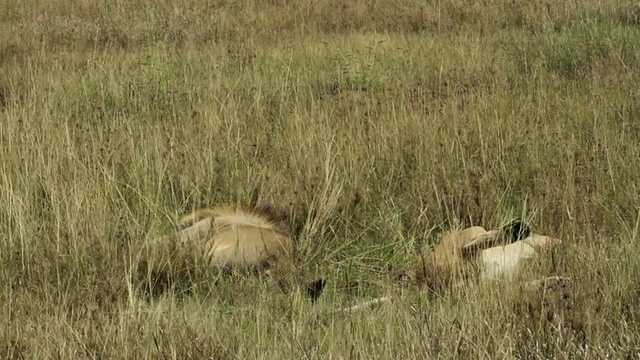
370, 126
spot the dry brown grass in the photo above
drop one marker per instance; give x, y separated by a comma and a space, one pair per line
373, 126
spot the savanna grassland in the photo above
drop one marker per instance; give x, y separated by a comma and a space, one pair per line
370, 127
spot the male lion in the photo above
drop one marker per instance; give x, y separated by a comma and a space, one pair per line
230, 239
235, 238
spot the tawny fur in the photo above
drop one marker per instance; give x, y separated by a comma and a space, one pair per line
236, 238
499, 253
227, 238
496, 254
227, 214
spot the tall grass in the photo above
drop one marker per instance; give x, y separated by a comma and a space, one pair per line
371, 126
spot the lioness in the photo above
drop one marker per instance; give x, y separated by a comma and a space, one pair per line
495, 254
451, 258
